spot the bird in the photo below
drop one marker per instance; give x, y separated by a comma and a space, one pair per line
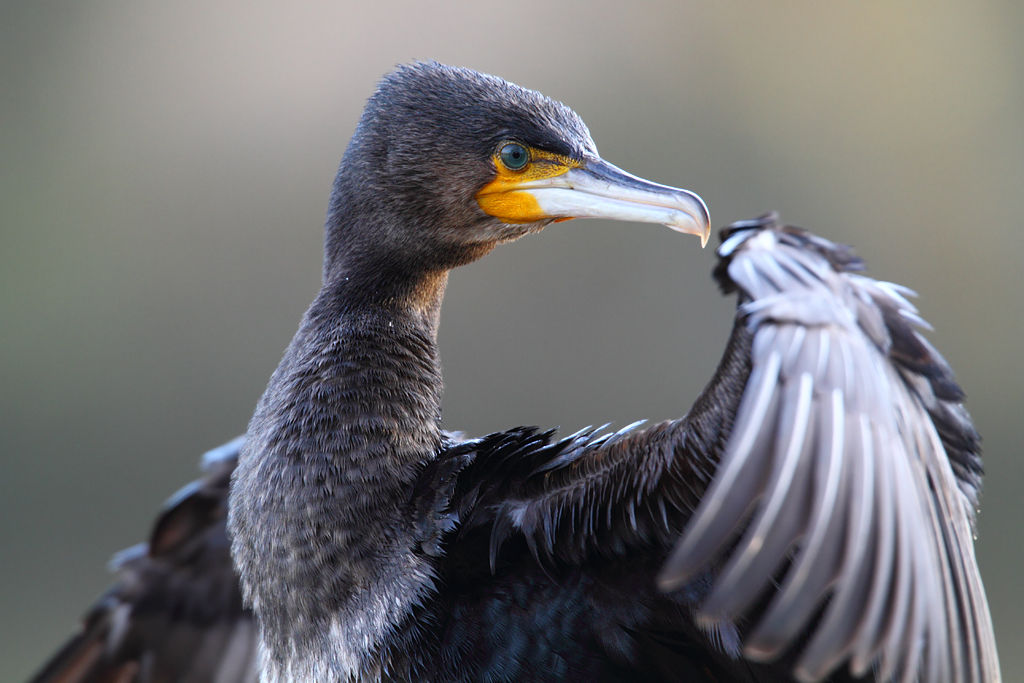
810, 518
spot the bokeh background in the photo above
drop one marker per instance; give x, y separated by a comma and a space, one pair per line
164, 171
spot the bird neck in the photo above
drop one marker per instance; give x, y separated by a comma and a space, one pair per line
371, 290
366, 356
323, 535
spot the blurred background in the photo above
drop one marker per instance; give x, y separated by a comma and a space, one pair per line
165, 168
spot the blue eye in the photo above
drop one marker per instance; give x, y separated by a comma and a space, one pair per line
514, 156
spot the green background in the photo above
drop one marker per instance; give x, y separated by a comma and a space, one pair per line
165, 167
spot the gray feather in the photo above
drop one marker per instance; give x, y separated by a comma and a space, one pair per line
838, 458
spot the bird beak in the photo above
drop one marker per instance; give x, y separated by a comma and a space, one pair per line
594, 189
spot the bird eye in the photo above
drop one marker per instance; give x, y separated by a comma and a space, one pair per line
514, 156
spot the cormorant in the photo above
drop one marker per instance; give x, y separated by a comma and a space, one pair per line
810, 517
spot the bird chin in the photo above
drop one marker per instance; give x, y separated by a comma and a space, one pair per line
499, 232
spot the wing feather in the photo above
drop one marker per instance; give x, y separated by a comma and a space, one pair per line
770, 533
728, 498
868, 644
175, 612
815, 565
852, 469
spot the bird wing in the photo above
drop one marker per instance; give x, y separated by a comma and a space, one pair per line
819, 496
848, 487
175, 612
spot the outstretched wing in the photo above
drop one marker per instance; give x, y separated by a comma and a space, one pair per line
846, 494
818, 500
175, 613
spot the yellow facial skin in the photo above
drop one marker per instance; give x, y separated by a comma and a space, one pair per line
552, 187
499, 198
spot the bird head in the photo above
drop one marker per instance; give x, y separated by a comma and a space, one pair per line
447, 162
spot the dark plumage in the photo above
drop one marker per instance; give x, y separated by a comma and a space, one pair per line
809, 519
175, 613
